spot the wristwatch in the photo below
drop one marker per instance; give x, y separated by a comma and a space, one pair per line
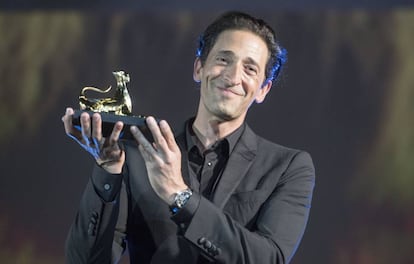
180, 199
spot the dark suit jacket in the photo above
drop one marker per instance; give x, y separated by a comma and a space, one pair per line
257, 213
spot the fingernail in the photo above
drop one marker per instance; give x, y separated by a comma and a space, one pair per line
150, 119
133, 129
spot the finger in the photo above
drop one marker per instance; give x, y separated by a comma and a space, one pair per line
156, 132
144, 144
116, 132
168, 135
85, 121
76, 135
67, 122
97, 127
111, 149
144, 153
69, 128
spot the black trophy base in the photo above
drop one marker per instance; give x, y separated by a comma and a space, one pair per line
108, 121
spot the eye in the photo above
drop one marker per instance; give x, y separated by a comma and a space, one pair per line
222, 60
251, 69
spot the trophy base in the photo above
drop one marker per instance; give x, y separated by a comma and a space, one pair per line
108, 121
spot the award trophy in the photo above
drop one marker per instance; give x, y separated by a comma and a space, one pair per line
112, 109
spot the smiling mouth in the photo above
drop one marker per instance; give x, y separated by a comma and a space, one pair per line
231, 91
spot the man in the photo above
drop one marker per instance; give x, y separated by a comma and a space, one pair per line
215, 191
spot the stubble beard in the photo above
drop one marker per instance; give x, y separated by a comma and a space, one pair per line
220, 107
222, 110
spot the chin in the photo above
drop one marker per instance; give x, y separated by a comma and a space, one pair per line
225, 115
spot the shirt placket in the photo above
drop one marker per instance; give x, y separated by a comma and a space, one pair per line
207, 171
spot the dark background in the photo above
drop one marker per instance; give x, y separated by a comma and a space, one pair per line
346, 96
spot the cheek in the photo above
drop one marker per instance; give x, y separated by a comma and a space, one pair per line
252, 81
213, 71
252, 86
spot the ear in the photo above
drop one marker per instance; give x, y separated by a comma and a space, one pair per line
197, 70
262, 92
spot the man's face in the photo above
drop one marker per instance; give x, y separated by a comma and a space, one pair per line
232, 76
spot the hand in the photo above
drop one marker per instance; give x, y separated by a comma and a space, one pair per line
106, 151
162, 159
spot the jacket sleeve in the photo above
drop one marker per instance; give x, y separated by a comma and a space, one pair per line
97, 234
277, 230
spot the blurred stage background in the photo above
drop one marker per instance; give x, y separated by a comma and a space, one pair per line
346, 96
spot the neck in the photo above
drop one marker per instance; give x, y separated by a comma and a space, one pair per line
211, 130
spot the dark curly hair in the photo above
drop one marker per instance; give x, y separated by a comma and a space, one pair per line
241, 21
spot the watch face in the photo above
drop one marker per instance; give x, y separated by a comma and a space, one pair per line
182, 197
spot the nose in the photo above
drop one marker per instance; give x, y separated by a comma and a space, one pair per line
233, 74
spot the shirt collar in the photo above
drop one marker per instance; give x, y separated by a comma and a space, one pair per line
231, 139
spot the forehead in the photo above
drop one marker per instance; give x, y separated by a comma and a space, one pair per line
242, 43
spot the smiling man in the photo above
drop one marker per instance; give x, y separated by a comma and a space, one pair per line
213, 192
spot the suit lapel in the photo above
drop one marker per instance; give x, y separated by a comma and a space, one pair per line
240, 159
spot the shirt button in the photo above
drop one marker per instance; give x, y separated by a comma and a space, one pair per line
209, 163
107, 187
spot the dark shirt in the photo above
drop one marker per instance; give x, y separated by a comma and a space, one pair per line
205, 168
